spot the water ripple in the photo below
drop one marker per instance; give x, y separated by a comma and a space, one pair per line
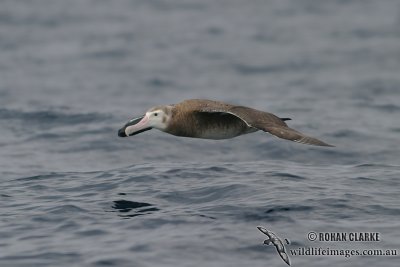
50, 117
129, 209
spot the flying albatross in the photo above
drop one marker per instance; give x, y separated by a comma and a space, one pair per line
208, 119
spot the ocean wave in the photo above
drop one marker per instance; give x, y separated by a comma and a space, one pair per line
51, 117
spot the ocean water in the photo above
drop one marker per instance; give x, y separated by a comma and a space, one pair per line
73, 72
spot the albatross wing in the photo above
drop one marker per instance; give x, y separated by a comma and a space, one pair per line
257, 119
293, 135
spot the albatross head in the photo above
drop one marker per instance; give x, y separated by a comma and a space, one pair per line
157, 117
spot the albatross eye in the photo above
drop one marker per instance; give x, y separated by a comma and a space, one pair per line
155, 114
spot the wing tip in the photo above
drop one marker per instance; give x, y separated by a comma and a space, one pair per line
329, 145
312, 141
323, 144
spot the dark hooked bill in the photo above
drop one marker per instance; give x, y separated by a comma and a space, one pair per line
121, 132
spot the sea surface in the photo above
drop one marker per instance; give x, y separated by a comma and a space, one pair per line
72, 193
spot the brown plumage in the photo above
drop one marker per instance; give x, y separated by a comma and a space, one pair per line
208, 119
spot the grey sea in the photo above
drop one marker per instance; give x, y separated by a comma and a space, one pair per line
72, 193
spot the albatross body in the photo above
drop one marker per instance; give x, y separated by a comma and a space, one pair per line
208, 119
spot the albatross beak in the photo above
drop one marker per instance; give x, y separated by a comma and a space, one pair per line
135, 126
